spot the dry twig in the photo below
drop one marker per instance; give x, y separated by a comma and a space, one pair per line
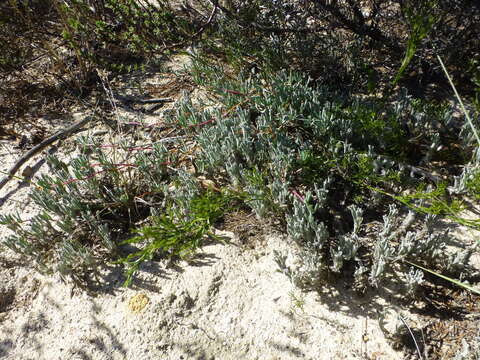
62, 134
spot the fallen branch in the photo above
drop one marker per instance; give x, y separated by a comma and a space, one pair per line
128, 99
62, 134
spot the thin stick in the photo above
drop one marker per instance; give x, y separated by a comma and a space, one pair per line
413, 337
132, 99
62, 134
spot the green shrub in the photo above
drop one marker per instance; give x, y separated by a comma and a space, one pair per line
174, 233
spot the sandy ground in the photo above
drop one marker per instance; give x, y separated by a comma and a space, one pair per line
229, 303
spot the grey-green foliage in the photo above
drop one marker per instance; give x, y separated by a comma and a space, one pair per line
303, 227
315, 161
383, 251
304, 36
293, 148
460, 181
232, 144
395, 243
83, 204
185, 189
413, 279
467, 134
348, 244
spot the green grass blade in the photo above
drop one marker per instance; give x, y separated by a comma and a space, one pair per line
459, 100
456, 282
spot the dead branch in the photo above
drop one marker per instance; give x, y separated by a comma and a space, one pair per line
62, 134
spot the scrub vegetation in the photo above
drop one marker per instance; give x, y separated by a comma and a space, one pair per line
333, 120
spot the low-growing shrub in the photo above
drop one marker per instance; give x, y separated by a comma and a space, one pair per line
85, 205
178, 231
332, 166
89, 203
327, 167
354, 45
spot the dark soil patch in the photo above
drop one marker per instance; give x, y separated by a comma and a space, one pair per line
247, 228
7, 298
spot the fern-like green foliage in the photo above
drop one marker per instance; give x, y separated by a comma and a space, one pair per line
176, 232
421, 19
